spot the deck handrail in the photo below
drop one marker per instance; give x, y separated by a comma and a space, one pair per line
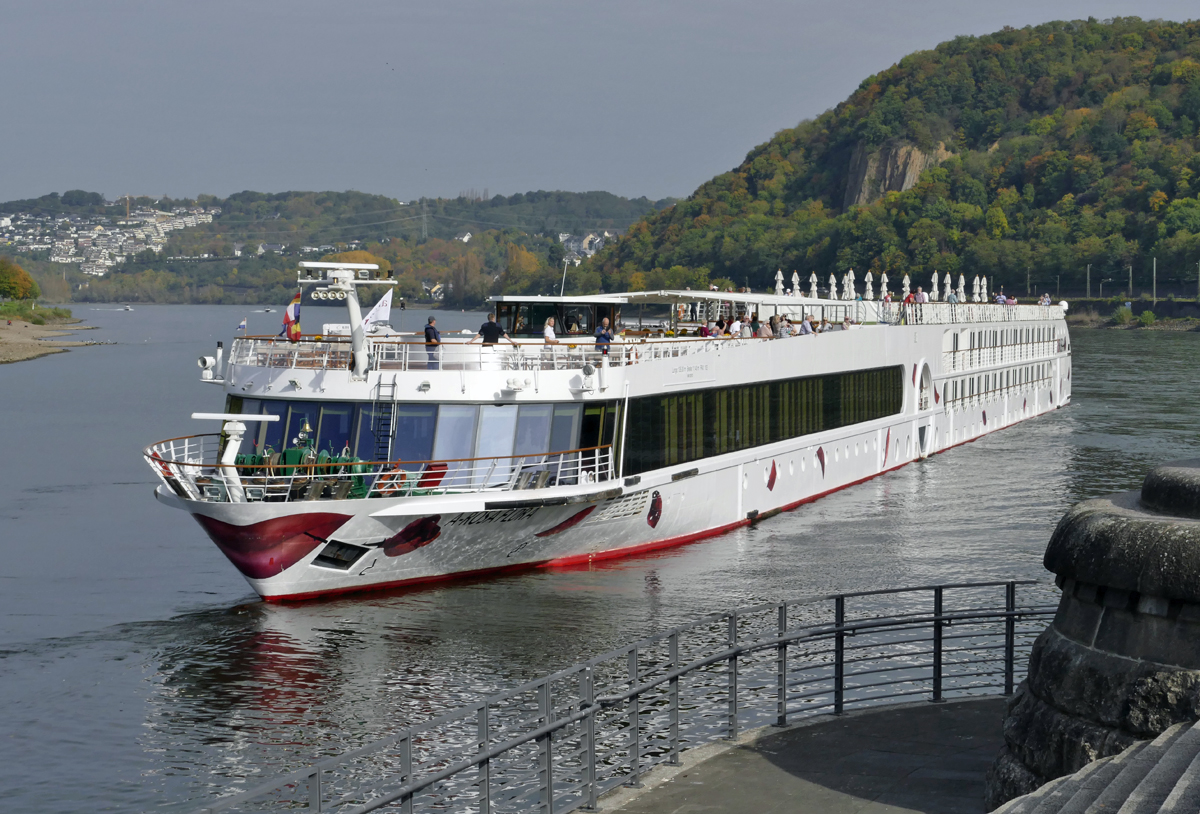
533, 747
154, 456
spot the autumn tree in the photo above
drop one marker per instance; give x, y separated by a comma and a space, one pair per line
15, 282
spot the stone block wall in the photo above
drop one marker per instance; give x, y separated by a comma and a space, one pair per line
1121, 660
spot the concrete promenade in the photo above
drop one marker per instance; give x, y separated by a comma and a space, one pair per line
913, 757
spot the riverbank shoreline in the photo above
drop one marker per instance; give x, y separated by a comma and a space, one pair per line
22, 340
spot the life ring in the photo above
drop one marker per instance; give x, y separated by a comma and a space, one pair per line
390, 483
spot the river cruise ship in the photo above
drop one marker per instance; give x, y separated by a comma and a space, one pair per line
351, 462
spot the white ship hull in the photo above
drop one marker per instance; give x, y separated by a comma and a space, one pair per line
415, 539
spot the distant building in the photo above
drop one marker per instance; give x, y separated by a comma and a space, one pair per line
270, 247
465, 237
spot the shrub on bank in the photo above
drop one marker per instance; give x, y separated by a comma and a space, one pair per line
28, 311
1122, 316
1146, 319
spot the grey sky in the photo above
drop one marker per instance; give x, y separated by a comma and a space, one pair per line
408, 99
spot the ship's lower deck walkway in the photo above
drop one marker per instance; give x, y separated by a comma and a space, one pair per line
915, 757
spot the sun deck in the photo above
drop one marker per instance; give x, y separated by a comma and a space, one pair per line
572, 352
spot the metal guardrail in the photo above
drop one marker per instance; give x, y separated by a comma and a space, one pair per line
556, 744
189, 467
573, 352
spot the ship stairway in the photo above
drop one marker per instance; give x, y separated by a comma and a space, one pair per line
383, 418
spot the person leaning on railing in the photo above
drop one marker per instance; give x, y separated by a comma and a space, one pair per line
491, 333
433, 341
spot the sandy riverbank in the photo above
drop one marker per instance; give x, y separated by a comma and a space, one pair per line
23, 340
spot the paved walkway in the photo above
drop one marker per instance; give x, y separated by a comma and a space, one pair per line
915, 757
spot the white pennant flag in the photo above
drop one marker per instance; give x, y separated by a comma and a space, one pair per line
382, 312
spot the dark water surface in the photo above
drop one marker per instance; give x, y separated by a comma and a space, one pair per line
137, 669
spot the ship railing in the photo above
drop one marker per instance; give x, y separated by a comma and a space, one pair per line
948, 313
190, 468
1007, 353
557, 743
275, 352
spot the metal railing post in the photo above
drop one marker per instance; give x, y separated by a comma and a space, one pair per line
314, 790
545, 751
674, 694
485, 768
406, 764
839, 653
589, 698
1010, 630
781, 671
937, 644
732, 669
635, 725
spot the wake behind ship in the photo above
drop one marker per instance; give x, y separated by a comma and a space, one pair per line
355, 462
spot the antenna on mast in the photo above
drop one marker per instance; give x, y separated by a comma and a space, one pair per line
424, 221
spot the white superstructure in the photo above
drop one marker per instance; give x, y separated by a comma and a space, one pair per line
355, 462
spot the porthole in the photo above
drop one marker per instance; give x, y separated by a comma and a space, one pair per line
837, 454
745, 481
791, 467
855, 449
803, 465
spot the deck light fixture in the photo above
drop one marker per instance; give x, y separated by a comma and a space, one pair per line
424, 387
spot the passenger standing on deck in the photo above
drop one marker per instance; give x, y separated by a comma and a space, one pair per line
604, 337
433, 344
921, 297
548, 332
490, 332
735, 327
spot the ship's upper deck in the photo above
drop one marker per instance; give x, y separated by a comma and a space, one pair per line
637, 339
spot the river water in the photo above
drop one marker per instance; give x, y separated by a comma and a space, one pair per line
137, 669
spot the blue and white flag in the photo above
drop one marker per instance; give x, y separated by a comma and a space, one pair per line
242, 325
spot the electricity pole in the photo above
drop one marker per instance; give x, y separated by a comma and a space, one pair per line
424, 221
1089, 281
1131, 282
564, 282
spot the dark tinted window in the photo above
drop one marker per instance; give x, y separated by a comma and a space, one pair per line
682, 427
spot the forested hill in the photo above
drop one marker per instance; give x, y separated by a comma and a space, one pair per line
1034, 151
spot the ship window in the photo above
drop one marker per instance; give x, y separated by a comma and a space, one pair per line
415, 426
564, 430
455, 439
682, 427
334, 432
372, 419
577, 319
298, 413
531, 319
497, 429
533, 429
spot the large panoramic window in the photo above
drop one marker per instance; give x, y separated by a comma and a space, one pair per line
681, 427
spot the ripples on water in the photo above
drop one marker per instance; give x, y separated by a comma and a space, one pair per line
154, 713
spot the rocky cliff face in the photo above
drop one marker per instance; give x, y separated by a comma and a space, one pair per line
891, 168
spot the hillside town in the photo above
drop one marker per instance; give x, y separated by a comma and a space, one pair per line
96, 243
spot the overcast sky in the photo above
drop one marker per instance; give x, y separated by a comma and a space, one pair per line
152, 97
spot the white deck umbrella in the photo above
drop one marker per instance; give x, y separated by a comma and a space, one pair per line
812, 285
848, 291
833, 289
933, 288
975, 289
795, 284
883, 285
948, 283
983, 289
868, 292
779, 282
904, 286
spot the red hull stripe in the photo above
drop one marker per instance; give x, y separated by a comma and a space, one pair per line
611, 554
